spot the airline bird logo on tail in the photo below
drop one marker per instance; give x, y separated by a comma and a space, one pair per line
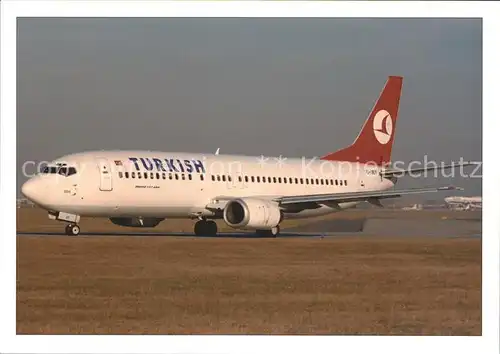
382, 126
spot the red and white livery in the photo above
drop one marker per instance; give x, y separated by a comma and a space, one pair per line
143, 188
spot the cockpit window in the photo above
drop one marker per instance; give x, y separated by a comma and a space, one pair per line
49, 169
63, 171
67, 171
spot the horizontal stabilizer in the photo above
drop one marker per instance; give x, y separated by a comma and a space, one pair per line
388, 173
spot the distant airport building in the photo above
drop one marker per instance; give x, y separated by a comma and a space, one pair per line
24, 203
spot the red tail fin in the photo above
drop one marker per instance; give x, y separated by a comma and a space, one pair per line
374, 142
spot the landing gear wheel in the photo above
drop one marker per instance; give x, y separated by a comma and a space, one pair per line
211, 228
198, 228
72, 230
205, 228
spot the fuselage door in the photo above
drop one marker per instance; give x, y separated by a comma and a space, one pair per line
237, 181
105, 177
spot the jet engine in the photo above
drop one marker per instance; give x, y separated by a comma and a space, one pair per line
254, 214
136, 221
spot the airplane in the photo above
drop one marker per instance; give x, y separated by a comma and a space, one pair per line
414, 207
464, 203
143, 188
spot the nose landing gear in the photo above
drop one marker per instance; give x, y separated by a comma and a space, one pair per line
72, 230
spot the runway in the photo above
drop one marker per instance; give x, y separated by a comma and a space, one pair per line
395, 224
176, 234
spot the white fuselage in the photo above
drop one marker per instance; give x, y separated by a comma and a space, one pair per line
181, 185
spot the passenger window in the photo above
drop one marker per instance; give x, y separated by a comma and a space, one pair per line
307, 180
139, 175
246, 178
218, 178
284, 180
269, 179
253, 179
345, 182
301, 181
157, 175
126, 174
258, 179
274, 179
239, 179
202, 178
213, 178
340, 182
190, 177
164, 175
322, 181
223, 178
176, 176
152, 175
183, 177
279, 179
263, 179
120, 174
133, 174
170, 176
145, 175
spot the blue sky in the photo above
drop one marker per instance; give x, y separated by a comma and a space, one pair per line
292, 87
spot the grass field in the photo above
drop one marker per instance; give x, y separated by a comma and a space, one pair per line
182, 285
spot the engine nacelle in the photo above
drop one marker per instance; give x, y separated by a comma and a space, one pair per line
136, 222
254, 214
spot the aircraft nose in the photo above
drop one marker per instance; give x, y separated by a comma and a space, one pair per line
31, 190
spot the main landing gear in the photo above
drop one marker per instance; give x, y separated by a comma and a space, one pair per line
72, 230
274, 232
205, 228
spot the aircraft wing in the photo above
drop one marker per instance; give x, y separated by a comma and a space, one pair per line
312, 201
389, 172
371, 196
